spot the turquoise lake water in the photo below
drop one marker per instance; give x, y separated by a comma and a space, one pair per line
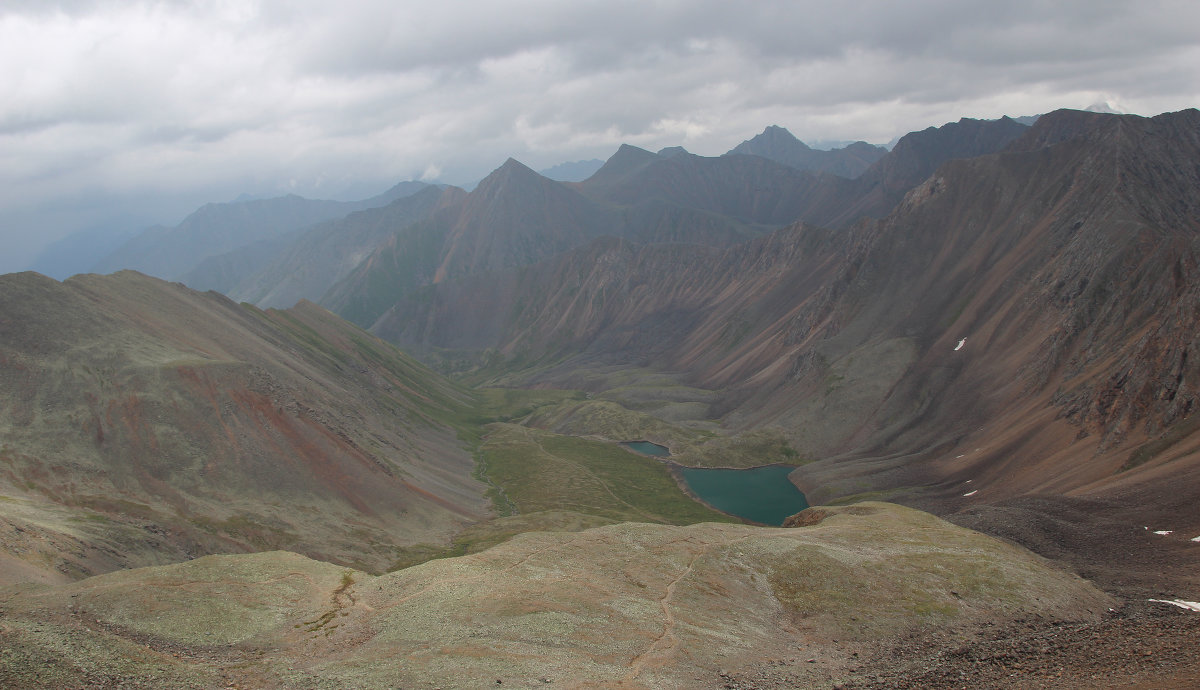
761, 494
648, 448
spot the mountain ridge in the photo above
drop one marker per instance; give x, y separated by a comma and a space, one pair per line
1027, 240
781, 146
215, 427
216, 228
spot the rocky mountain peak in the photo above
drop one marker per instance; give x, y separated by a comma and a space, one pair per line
628, 159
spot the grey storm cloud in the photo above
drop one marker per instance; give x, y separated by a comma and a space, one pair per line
103, 101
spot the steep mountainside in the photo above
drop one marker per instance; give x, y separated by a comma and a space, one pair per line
1064, 261
313, 260
918, 154
514, 217
144, 423
363, 265
660, 304
779, 145
749, 188
215, 229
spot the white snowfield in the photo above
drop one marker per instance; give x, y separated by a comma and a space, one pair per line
1164, 532
971, 493
1189, 605
960, 344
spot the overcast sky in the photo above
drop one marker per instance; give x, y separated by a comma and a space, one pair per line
132, 112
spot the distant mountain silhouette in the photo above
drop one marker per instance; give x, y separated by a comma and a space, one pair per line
779, 145
215, 229
305, 264
575, 171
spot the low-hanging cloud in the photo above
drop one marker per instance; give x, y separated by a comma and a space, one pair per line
192, 101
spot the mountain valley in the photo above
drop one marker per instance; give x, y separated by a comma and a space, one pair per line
395, 462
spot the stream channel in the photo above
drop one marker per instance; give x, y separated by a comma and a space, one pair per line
760, 494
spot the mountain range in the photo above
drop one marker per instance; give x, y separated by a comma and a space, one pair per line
991, 322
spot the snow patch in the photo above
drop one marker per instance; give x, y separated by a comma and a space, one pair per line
1189, 605
972, 493
960, 344
1164, 532
1196, 539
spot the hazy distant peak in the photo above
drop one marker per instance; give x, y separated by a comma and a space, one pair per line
781, 146
511, 172
1058, 126
626, 160
403, 189
1102, 107
774, 135
512, 166
629, 151
671, 151
573, 171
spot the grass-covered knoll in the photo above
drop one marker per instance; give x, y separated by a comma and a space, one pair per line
611, 420
625, 605
905, 565
538, 470
765, 446
516, 404
498, 530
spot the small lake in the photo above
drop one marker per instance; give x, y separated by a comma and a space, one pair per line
647, 448
761, 494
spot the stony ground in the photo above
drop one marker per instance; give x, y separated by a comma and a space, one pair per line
1112, 542
1140, 645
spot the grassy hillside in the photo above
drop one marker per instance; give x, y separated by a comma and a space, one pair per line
632, 605
133, 407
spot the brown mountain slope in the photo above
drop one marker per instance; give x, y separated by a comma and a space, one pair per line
205, 426
658, 304
1066, 268
917, 156
749, 188
1065, 262
514, 217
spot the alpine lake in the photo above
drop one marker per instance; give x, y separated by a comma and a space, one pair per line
760, 494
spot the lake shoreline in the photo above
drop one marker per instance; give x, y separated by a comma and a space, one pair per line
677, 471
